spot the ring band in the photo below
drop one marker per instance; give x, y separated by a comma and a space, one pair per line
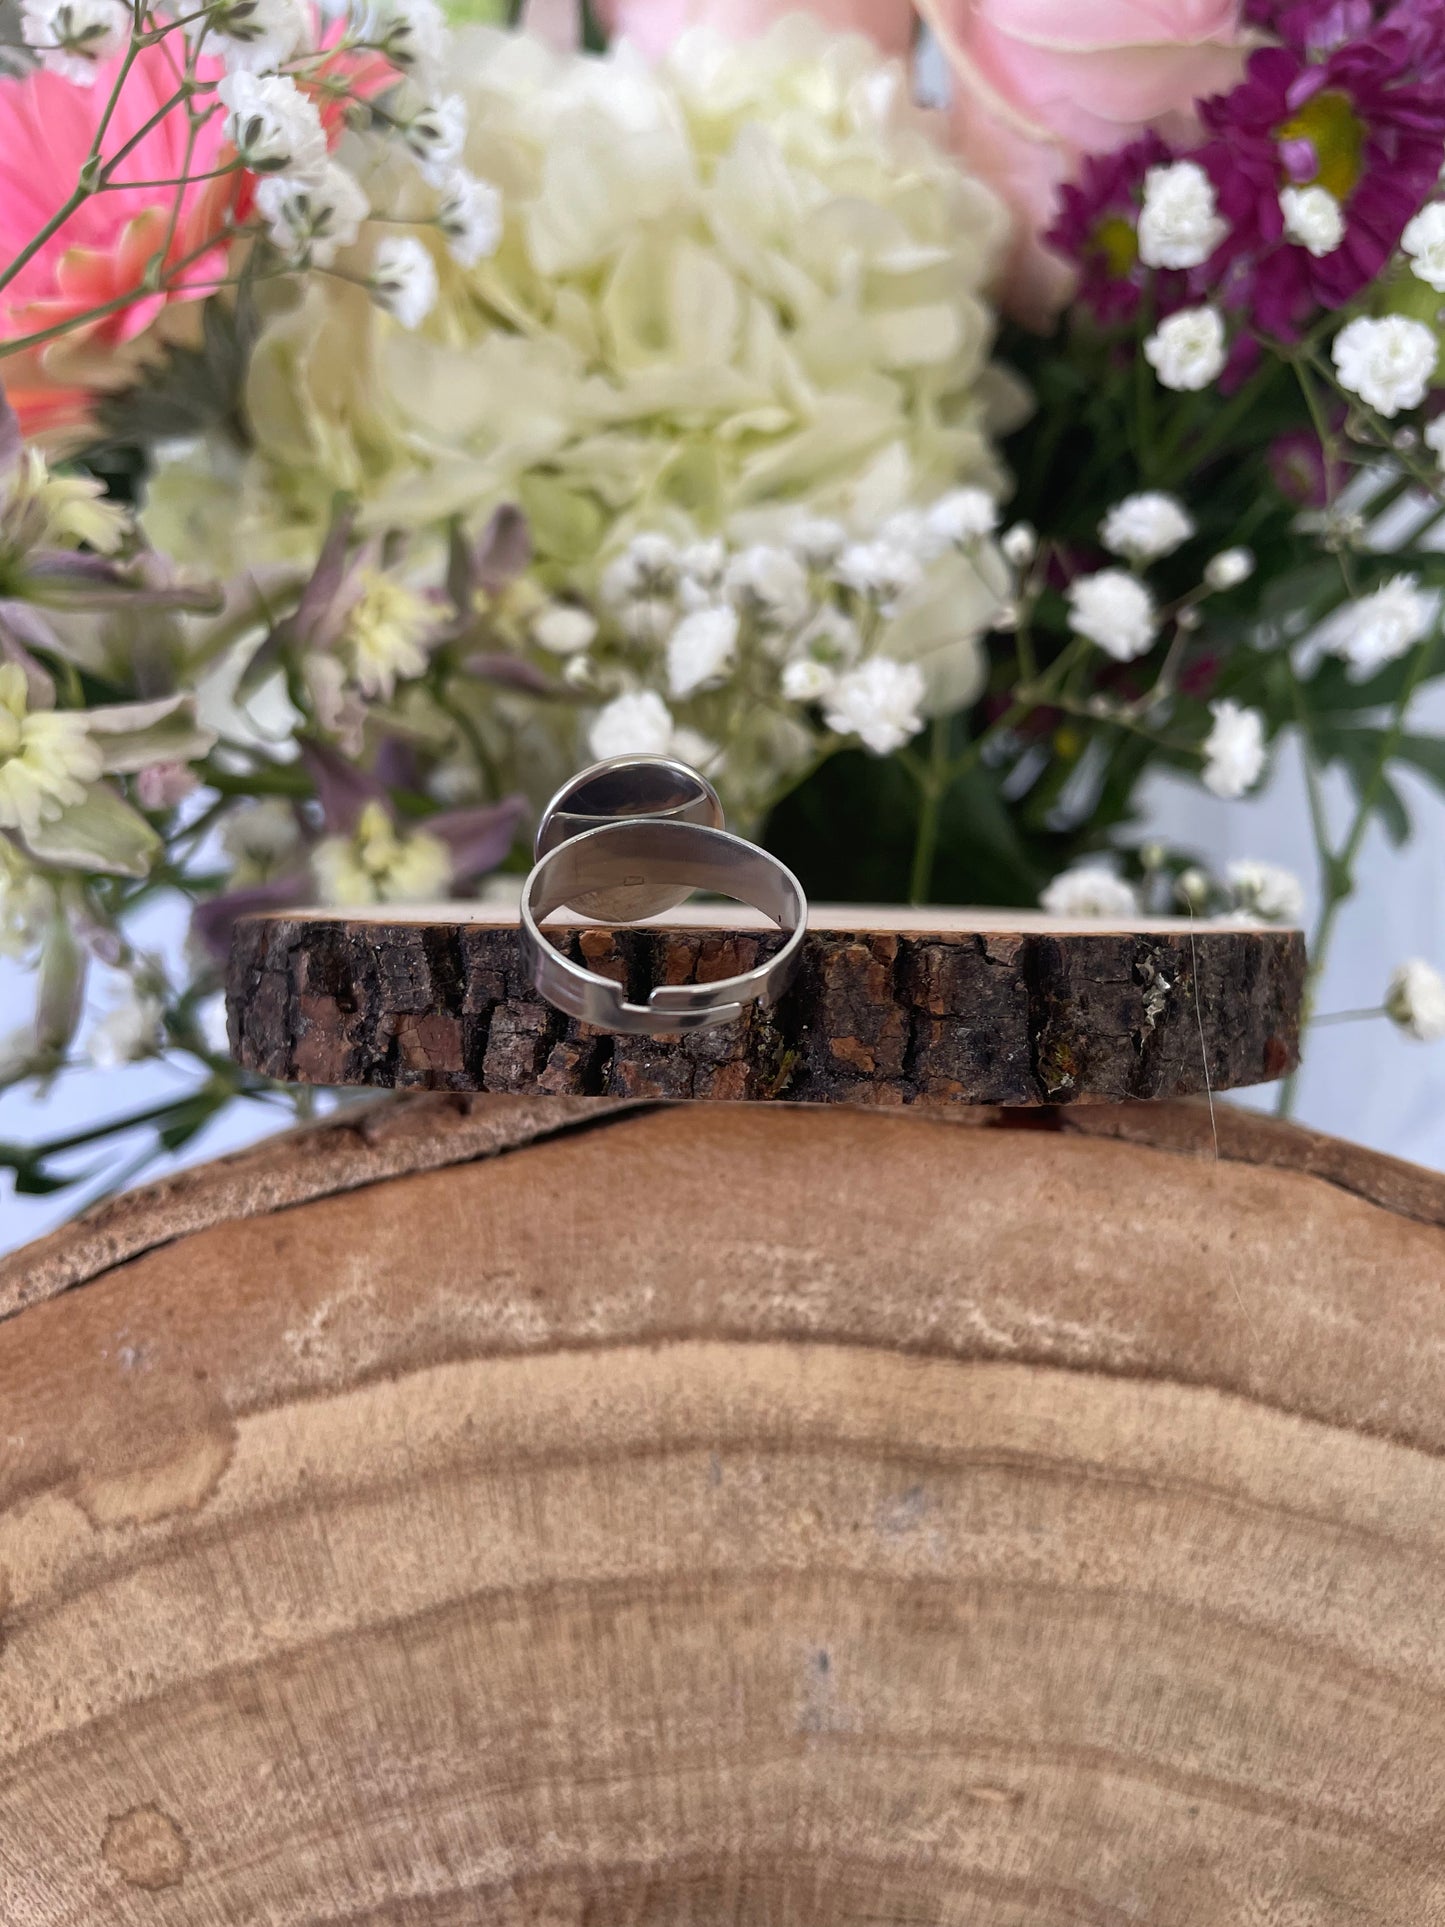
648, 851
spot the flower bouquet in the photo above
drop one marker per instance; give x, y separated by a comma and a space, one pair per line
928, 423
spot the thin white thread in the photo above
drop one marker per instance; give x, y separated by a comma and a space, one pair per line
1213, 1122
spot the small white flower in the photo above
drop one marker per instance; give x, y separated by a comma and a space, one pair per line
1091, 891
1228, 569
311, 219
1193, 889
378, 864
436, 135
818, 540
261, 839
1435, 438
1387, 361
1020, 544
412, 34
878, 702
130, 1030
273, 126
1312, 217
1416, 1000
703, 566
562, 629
647, 569
73, 36
701, 649
404, 279
1187, 351
1179, 224
771, 585
881, 572
1424, 242
638, 724
1382, 626
806, 680
1114, 611
254, 36
1266, 891
1233, 750
1146, 526
962, 516
470, 217
388, 633
47, 757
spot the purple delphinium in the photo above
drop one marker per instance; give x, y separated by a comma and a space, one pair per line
1366, 122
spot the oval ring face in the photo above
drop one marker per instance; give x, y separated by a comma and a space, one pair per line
618, 791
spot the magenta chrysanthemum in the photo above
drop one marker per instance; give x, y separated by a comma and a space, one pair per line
1097, 229
1366, 123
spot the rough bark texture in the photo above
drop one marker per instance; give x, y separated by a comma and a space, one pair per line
721, 1517
878, 1016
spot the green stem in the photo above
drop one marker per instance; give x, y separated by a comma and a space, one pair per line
934, 783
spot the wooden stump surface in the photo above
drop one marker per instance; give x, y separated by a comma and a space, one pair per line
709, 1516
889, 1007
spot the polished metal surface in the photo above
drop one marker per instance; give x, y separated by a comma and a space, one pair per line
659, 788
658, 855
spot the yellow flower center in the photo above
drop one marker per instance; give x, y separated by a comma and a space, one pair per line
1116, 239
1336, 133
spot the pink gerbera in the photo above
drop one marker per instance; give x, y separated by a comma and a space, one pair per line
101, 254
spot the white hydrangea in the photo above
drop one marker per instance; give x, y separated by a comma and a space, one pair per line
1266, 891
251, 36
273, 126
1179, 223
1187, 349
771, 585
310, 219
1379, 628
1386, 360
1234, 752
637, 724
563, 629
878, 702
470, 217
701, 649
1424, 242
1146, 526
1415, 1000
436, 134
130, 1030
1313, 219
404, 279
1228, 569
1115, 611
1090, 891
72, 37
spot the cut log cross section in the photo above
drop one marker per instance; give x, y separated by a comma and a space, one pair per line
889, 1007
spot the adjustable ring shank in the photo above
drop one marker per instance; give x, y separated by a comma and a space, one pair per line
643, 851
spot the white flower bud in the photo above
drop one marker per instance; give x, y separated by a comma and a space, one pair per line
1228, 569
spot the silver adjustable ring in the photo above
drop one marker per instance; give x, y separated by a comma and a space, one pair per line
627, 840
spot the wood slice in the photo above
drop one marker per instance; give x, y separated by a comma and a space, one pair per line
728, 1517
890, 1007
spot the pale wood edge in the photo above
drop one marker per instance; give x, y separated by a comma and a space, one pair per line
394, 1136
403, 1134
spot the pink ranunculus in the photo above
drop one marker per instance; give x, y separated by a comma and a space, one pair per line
1038, 84
653, 25
100, 255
